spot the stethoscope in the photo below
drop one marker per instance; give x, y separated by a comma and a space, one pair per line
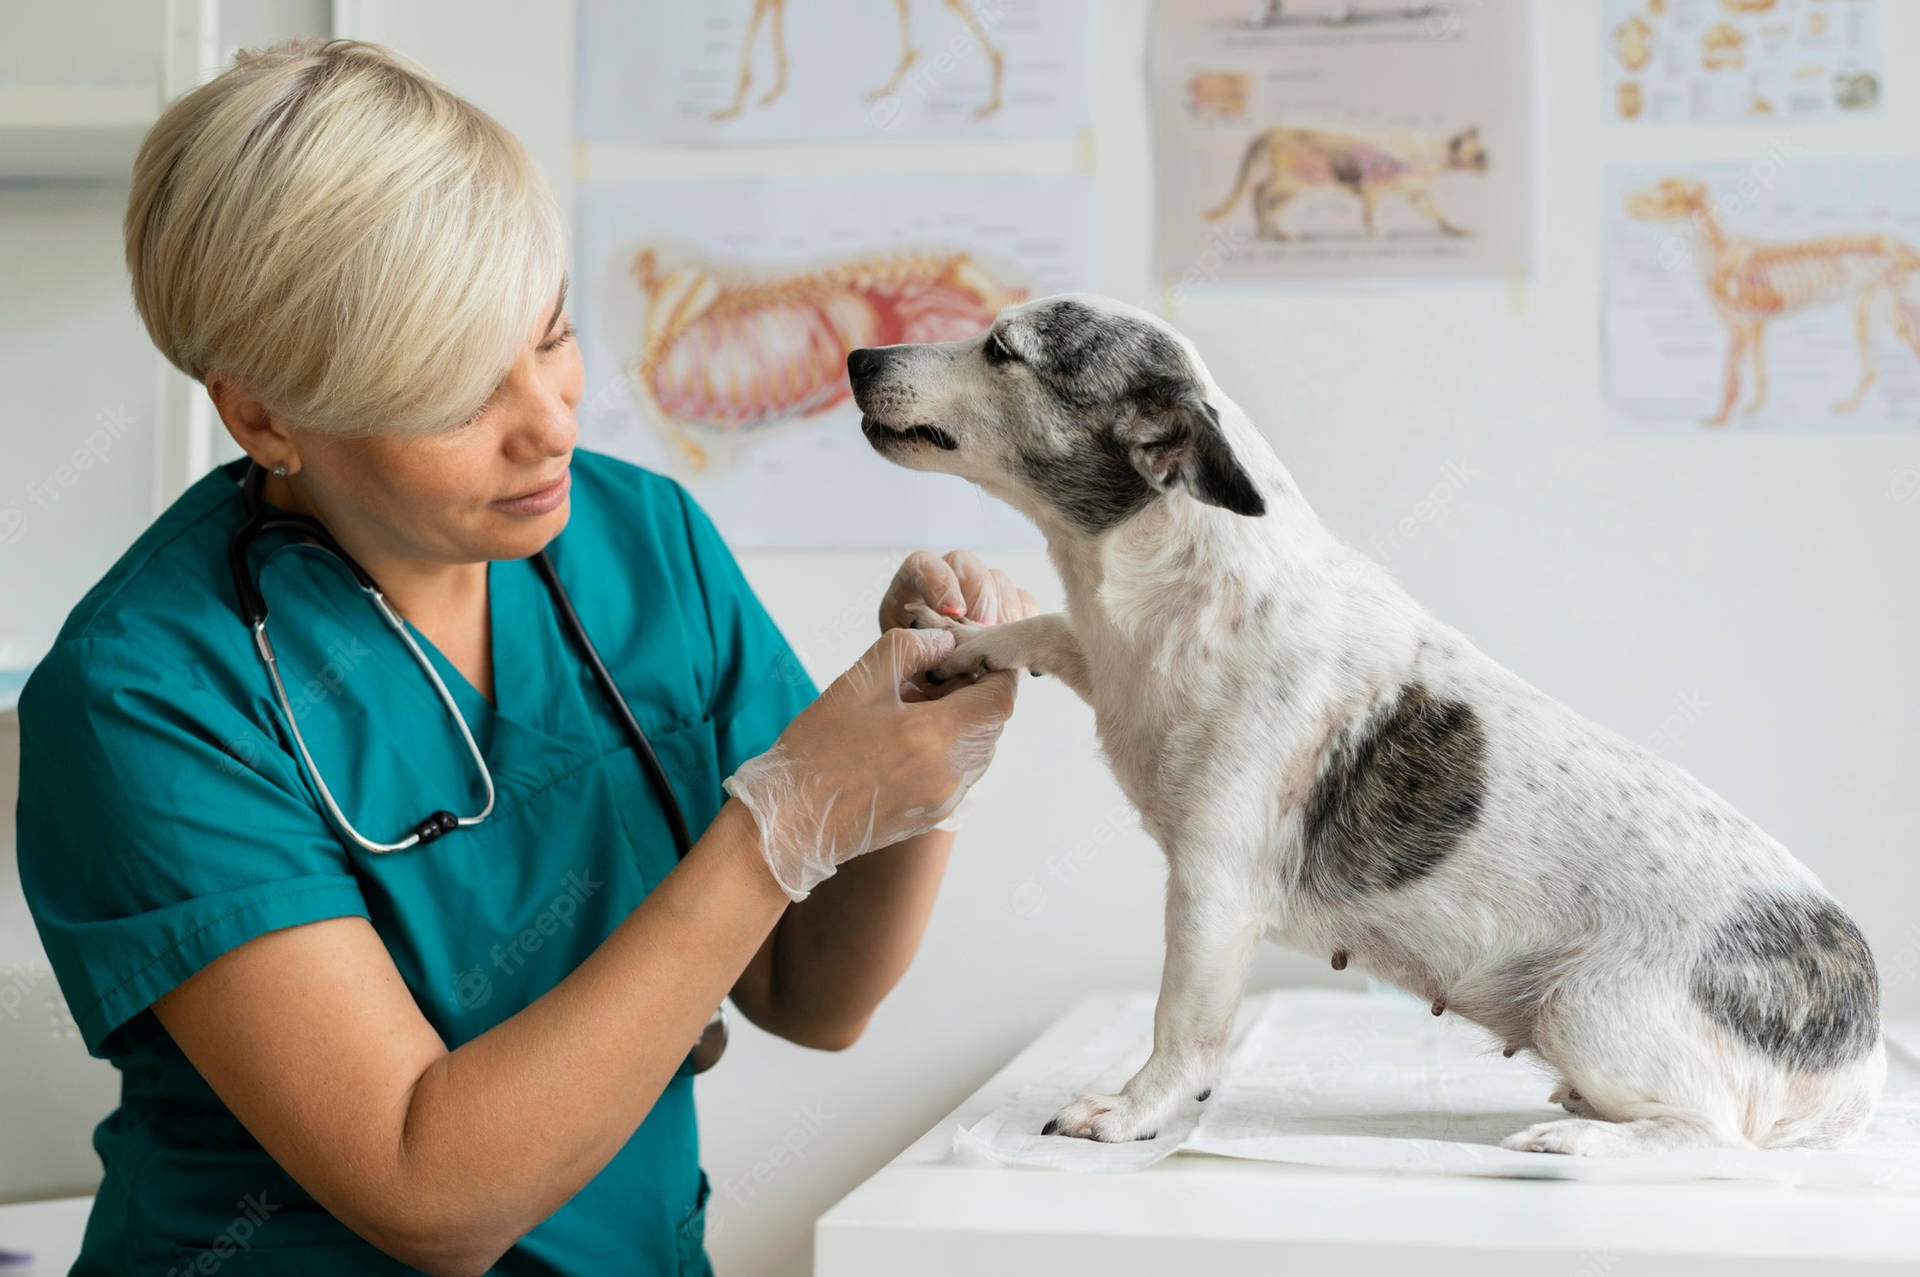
261, 520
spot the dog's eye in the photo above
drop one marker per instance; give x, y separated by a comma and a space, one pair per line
997, 351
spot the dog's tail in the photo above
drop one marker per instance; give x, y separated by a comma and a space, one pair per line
1252, 153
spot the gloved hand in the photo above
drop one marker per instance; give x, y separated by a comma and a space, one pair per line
869, 763
959, 585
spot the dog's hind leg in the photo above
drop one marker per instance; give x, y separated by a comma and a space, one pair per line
908, 55
1587, 1137
761, 8
1211, 936
1863, 338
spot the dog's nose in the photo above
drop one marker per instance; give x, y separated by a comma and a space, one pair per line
863, 363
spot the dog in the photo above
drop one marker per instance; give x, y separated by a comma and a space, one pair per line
1326, 765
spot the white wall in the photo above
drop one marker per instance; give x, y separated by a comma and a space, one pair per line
1741, 600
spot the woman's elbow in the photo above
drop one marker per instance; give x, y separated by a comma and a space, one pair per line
830, 1035
444, 1250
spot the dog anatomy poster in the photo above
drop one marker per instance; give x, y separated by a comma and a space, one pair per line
1342, 139
677, 73
716, 318
1693, 60
1773, 295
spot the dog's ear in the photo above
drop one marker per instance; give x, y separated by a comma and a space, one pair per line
1177, 443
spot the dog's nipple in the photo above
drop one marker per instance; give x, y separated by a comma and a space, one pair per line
1439, 1005
1339, 959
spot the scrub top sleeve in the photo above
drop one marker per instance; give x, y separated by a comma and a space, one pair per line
758, 683
159, 826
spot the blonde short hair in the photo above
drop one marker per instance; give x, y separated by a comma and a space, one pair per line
325, 221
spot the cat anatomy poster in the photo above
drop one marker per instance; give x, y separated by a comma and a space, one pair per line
1323, 140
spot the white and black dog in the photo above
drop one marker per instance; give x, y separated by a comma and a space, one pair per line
1326, 764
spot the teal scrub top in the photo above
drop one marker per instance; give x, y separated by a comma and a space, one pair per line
164, 818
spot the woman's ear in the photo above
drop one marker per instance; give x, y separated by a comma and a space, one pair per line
259, 433
1177, 443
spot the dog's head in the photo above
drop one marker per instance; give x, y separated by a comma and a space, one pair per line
1669, 200
1073, 409
1466, 151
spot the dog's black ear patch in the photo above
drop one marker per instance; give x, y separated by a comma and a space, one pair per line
1393, 802
1789, 974
1177, 443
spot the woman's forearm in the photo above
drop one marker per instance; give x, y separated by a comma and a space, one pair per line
500, 1132
837, 953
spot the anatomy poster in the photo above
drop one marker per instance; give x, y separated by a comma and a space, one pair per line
676, 72
1692, 60
1775, 295
716, 318
1342, 139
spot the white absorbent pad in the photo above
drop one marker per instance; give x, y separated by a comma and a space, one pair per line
1374, 1082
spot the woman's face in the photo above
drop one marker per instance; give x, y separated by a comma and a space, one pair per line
494, 488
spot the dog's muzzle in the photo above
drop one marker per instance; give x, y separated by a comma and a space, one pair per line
867, 373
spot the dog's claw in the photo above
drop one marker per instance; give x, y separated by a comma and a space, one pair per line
1053, 1124
1202, 1097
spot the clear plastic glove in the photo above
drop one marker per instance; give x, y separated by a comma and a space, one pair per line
871, 761
956, 585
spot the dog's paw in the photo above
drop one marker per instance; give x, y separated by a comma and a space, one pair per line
1572, 1101
1574, 1136
1111, 1119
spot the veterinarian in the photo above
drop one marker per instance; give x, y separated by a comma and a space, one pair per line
470, 1052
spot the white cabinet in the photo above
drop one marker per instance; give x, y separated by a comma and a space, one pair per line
99, 432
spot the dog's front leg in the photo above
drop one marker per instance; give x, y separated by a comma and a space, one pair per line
1044, 644
1210, 942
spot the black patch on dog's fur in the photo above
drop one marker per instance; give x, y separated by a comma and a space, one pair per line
1126, 384
1391, 805
1095, 489
1790, 975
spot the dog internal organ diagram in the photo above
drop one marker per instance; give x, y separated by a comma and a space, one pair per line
733, 349
1753, 283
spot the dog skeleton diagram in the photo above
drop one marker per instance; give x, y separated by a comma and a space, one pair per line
1751, 283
